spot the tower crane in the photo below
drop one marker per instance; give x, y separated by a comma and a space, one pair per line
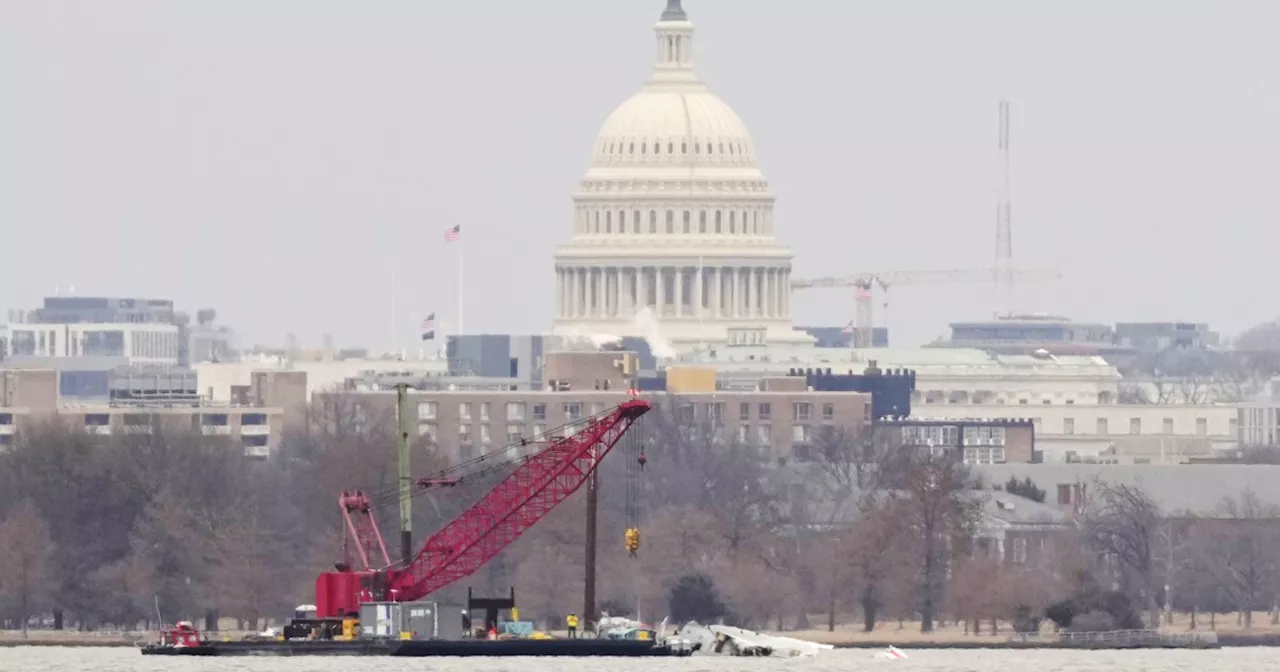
862, 284
542, 479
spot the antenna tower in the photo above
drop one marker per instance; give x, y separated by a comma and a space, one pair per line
1004, 220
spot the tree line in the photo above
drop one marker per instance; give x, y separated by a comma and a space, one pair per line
129, 530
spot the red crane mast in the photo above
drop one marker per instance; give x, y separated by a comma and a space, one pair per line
525, 496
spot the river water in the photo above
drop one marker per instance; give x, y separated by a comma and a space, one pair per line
69, 659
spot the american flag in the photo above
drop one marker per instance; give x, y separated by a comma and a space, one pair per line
848, 328
860, 293
451, 235
429, 327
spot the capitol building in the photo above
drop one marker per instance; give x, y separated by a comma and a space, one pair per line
673, 228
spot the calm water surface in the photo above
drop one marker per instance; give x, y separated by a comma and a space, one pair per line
65, 659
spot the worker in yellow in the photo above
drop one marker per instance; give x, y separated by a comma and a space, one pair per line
515, 615
631, 540
571, 623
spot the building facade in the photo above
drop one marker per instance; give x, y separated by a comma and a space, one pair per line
254, 421
1114, 433
673, 231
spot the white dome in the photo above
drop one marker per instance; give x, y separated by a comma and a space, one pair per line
673, 236
685, 126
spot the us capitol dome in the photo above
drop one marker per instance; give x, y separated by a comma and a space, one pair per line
673, 228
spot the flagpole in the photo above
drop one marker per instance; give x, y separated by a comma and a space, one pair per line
395, 272
460, 276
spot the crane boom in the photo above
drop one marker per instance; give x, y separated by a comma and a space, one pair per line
525, 496
864, 282
865, 279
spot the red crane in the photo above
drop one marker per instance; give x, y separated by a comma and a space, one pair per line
544, 480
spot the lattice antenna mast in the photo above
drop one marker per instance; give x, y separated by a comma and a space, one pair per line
1004, 219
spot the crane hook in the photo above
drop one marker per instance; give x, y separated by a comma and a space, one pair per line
642, 459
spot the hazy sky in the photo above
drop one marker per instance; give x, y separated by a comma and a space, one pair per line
278, 159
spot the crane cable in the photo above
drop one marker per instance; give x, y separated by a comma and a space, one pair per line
635, 464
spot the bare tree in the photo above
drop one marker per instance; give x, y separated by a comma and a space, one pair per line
1241, 551
25, 548
1123, 524
938, 517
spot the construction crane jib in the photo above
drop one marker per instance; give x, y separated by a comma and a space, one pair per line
864, 283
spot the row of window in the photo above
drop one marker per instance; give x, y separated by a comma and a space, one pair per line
987, 397
686, 410
645, 148
949, 435
147, 419
1103, 428
746, 222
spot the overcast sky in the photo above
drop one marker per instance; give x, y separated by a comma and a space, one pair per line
279, 159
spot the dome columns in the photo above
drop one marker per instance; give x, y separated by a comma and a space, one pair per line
673, 291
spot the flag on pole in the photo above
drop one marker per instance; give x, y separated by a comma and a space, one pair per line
861, 293
429, 327
848, 328
451, 235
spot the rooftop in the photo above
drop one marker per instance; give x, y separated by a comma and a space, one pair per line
1197, 489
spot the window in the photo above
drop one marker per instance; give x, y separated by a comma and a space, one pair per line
764, 435
1019, 551
764, 411
828, 411
539, 411
484, 434
1064, 493
6, 419
1202, 426
715, 413
484, 411
428, 430
515, 410
1135, 425
684, 413
1068, 425
800, 433
686, 222
1167, 427
426, 410
254, 440
744, 411
208, 420
702, 222
253, 419
137, 420
801, 410
514, 433
539, 429
744, 433
572, 411
1102, 426
464, 411
464, 433
671, 222
653, 221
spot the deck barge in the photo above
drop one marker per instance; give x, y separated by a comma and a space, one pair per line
422, 648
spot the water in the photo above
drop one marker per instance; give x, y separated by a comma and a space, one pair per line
39, 659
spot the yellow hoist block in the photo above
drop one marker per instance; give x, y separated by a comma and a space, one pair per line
631, 540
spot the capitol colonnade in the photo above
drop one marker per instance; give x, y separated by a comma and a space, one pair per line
614, 292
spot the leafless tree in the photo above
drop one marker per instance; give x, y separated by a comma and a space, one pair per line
1241, 551
938, 517
1123, 524
25, 549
